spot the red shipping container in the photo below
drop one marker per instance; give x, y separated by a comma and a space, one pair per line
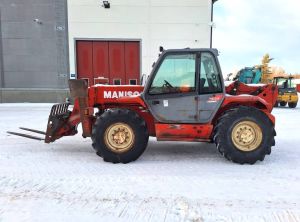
298, 88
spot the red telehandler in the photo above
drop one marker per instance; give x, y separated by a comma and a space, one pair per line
184, 99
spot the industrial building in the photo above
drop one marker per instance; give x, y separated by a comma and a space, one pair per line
43, 43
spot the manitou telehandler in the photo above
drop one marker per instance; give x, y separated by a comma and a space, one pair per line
184, 99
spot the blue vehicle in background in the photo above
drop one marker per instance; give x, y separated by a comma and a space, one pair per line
249, 75
256, 74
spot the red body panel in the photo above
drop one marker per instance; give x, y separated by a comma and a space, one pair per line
106, 94
125, 96
254, 101
128, 97
264, 94
262, 97
298, 88
183, 132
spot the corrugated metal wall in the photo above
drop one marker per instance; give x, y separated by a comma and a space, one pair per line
1, 60
34, 45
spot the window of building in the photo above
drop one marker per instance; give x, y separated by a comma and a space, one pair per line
87, 80
132, 81
117, 81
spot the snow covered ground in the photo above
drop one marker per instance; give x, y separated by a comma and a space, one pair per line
66, 181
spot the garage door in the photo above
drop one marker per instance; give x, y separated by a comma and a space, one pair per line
119, 61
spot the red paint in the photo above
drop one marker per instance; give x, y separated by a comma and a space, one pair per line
117, 61
183, 132
215, 98
132, 64
100, 59
84, 55
260, 96
108, 96
298, 88
108, 59
263, 98
113, 94
97, 98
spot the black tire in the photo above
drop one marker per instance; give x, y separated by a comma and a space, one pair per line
126, 117
283, 103
224, 130
292, 105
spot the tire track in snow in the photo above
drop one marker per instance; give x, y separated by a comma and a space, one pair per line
127, 206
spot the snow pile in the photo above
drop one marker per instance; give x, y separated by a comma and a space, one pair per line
172, 181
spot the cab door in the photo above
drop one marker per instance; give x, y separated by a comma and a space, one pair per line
173, 90
211, 89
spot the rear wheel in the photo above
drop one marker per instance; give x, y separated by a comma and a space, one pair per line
283, 103
119, 136
244, 135
292, 105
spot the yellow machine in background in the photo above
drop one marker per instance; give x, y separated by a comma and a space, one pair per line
287, 93
263, 73
266, 73
255, 74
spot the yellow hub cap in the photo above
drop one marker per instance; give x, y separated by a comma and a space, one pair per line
246, 136
119, 137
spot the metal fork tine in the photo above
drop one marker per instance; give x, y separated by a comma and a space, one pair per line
25, 135
33, 130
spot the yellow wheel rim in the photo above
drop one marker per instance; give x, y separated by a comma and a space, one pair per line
246, 136
119, 137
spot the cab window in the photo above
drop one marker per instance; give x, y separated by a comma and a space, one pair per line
210, 81
176, 74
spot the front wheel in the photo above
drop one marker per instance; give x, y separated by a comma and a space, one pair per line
119, 136
292, 105
244, 135
283, 103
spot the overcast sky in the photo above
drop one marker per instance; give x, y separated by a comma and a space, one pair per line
247, 29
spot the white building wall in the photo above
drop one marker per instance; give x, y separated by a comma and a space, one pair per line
167, 23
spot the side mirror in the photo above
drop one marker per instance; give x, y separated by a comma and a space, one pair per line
144, 79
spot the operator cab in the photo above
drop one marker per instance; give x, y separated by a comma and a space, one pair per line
185, 86
284, 82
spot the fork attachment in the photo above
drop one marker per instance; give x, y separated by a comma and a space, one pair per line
57, 123
63, 122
